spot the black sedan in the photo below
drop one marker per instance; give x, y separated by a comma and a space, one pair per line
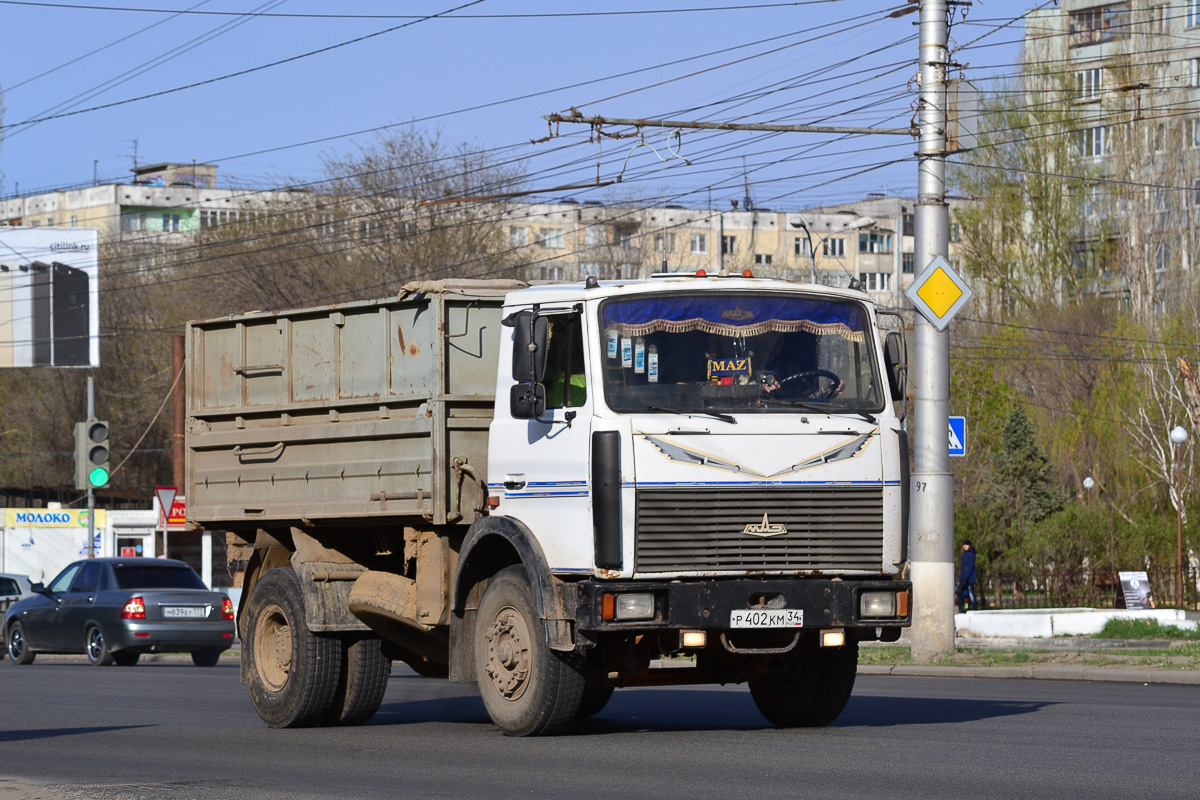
115, 609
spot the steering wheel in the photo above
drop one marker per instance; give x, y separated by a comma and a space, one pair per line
808, 374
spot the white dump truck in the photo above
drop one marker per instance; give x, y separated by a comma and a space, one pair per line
554, 491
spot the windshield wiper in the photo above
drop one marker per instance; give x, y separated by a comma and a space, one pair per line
692, 412
819, 409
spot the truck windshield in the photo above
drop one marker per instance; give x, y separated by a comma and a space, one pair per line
739, 352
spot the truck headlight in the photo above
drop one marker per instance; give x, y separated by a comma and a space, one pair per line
873, 605
624, 607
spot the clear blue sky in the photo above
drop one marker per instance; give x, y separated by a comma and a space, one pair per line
837, 62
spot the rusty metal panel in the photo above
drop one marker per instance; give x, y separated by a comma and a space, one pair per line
312, 374
351, 412
262, 368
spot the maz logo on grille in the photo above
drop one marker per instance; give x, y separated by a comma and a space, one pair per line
764, 528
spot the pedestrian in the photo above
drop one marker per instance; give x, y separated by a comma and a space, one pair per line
965, 592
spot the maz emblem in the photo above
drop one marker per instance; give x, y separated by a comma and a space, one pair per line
764, 528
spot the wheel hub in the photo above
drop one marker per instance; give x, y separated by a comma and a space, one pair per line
508, 662
273, 648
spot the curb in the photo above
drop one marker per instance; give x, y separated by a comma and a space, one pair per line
1043, 672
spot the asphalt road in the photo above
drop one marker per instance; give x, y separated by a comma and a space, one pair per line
171, 730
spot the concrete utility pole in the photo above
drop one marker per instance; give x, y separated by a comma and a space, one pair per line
931, 537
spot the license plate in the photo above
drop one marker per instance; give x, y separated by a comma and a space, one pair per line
767, 618
184, 612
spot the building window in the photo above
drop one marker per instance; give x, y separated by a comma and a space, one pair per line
589, 270
1088, 83
1160, 258
552, 238
906, 262
518, 237
802, 247
908, 224
873, 242
133, 220
955, 232
624, 238
1092, 143
1196, 193
1158, 19
763, 259
699, 243
1194, 124
170, 222
664, 243
835, 248
876, 281
552, 272
74, 221
595, 236
1193, 13
1102, 24
728, 245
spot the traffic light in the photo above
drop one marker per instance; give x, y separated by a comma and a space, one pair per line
91, 454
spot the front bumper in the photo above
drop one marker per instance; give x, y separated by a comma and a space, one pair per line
708, 604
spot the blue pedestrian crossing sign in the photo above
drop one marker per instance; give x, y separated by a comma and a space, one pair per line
958, 436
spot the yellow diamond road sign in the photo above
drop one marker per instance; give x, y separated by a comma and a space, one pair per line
939, 292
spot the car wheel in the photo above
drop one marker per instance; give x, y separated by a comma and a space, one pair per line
527, 688
291, 672
126, 659
96, 648
206, 658
18, 647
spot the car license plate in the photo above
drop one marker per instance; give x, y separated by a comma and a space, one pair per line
767, 618
184, 612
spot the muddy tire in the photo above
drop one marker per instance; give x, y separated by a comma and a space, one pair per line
96, 647
527, 688
292, 673
362, 682
17, 646
593, 702
807, 688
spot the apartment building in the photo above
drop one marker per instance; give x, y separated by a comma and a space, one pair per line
162, 199
1133, 79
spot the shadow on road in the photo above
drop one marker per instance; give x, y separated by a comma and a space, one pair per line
700, 709
51, 733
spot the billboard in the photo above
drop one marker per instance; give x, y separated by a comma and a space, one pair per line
48, 297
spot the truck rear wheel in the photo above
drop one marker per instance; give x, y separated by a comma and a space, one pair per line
528, 688
292, 673
807, 688
362, 683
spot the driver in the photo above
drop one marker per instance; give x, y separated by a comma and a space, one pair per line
814, 391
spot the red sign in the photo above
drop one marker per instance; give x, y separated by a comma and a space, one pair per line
177, 517
128, 552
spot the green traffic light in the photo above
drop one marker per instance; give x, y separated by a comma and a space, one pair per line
98, 477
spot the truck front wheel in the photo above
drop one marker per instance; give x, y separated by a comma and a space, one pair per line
528, 688
362, 683
808, 687
292, 673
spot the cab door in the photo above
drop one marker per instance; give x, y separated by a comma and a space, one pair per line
540, 466
41, 622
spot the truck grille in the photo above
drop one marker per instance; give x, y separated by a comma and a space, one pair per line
828, 528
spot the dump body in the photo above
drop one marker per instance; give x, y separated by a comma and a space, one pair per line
358, 412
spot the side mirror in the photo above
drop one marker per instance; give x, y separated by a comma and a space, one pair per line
37, 588
530, 338
895, 355
527, 401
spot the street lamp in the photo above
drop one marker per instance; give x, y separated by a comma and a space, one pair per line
1178, 437
1088, 484
812, 254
